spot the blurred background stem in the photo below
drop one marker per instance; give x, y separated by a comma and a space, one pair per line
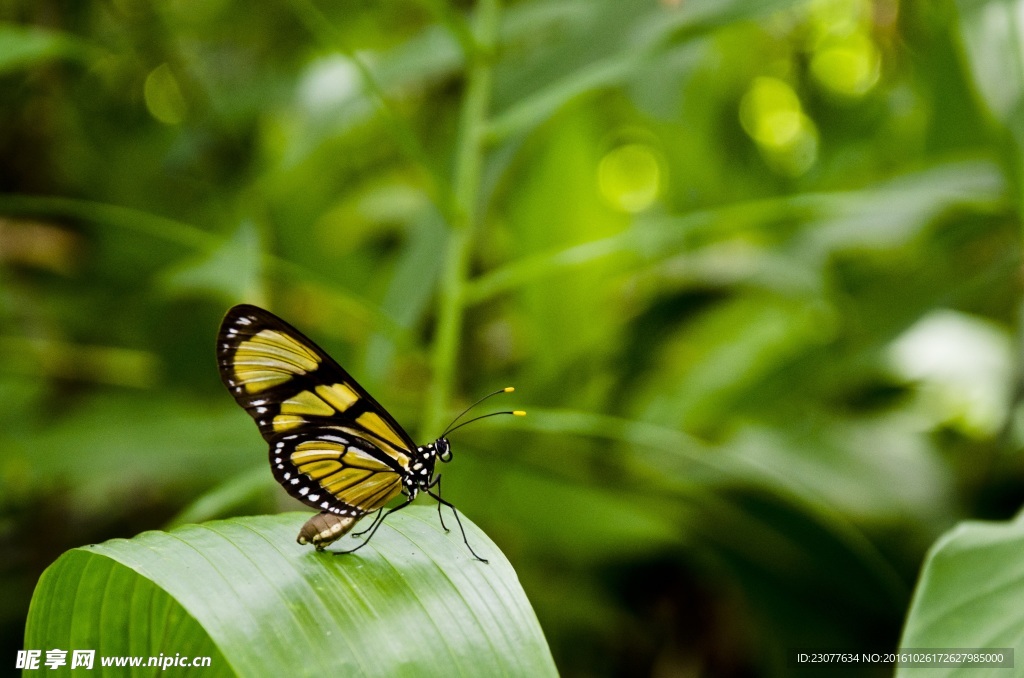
466, 216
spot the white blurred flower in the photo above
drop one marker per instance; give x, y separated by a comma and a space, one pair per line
964, 368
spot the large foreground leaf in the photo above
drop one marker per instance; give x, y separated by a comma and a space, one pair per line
413, 602
970, 595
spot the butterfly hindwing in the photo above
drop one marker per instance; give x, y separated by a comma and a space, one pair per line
332, 446
331, 472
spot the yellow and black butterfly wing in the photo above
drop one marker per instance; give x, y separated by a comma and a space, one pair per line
332, 446
334, 473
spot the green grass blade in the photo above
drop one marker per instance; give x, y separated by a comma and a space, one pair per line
413, 602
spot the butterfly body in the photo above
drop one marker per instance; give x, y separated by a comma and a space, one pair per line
332, 446
327, 527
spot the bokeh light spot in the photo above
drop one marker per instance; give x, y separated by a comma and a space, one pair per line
772, 115
328, 83
850, 67
770, 112
629, 177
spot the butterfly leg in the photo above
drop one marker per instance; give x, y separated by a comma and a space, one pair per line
376, 524
373, 524
437, 482
459, 522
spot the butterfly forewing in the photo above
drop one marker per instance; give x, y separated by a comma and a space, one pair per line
332, 445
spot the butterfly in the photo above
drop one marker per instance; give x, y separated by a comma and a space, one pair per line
332, 446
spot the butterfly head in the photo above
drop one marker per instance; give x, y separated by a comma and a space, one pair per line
440, 449
444, 449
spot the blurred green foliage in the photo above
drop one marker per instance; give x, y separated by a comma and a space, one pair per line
753, 267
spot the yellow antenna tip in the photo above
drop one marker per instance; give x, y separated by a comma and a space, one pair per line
519, 413
508, 389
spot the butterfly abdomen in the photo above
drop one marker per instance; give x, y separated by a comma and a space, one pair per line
324, 528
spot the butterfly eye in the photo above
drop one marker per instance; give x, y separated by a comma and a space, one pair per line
444, 450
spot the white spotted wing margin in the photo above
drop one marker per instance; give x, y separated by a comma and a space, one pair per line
332, 445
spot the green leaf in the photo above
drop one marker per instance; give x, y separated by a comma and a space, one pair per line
991, 37
231, 271
413, 602
26, 46
605, 44
970, 594
887, 214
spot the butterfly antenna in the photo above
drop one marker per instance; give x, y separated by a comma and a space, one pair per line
507, 389
518, 413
